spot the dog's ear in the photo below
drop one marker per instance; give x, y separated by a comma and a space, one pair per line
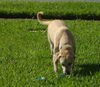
68, 47
59, 55
56, 58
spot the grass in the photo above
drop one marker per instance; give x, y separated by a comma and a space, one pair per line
64, 10
25, 55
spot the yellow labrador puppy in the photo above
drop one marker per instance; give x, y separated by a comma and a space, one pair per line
61, 43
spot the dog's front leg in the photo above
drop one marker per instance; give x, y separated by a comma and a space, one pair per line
55, 63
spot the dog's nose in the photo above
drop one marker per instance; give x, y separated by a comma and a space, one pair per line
68, 72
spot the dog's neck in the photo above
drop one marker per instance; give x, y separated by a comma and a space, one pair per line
63, 45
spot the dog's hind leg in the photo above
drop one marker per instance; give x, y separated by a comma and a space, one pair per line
51, 45
57, 42
56, 47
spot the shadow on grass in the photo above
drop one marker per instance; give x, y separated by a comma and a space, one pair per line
87, 69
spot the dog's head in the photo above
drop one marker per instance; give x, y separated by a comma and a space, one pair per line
66, 57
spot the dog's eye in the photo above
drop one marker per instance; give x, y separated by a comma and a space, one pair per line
69, 64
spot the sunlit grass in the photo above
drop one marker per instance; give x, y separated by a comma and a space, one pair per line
25, 55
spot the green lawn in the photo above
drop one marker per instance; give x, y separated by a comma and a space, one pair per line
64, 10
25, 55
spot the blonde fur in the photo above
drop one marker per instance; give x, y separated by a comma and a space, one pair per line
39, 14
59, 35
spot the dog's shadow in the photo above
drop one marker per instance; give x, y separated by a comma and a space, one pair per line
83, 69
87, 69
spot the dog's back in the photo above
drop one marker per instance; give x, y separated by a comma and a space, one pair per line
55, 28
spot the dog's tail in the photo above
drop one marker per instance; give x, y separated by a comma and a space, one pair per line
39, 14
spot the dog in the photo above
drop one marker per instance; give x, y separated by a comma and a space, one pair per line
62, 43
